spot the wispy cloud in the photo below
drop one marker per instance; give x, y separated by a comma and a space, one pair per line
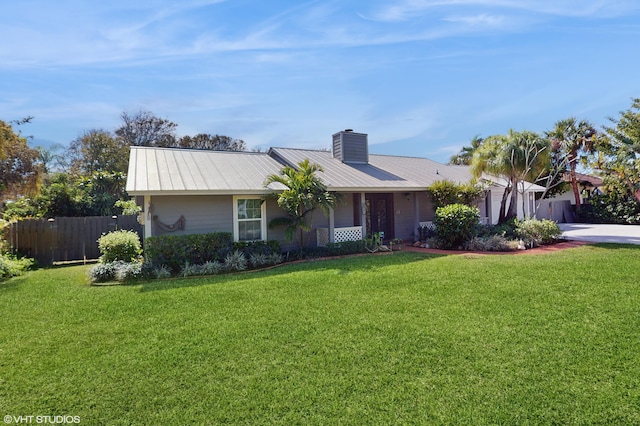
404, 10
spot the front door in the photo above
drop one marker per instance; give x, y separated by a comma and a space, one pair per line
380, 214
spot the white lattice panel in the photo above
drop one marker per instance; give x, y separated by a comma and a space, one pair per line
353, 233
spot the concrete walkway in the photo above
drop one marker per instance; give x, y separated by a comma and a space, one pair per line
597, 233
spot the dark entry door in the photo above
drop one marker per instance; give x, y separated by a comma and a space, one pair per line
380, 214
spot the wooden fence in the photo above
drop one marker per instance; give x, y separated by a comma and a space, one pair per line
65, 239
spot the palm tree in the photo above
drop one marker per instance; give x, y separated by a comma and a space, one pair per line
516, 157
304, 192
463, 158
570, 138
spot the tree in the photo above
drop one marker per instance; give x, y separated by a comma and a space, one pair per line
20, 173
98, 151
516, 157
463, 158
569, 139
145, 129
620, 145
212, 142
304, 192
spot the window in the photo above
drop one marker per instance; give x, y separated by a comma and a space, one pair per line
249, 219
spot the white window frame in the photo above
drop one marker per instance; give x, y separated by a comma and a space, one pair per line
263, 217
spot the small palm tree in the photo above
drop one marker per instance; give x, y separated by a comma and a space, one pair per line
304, 193
463, 158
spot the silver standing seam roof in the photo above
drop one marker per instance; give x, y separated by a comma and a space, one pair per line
165, 171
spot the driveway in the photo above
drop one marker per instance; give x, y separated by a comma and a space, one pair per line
597, 233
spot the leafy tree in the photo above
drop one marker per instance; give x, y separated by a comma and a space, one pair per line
20, 173
212, 142
145, 129
98, 151
463, 158
304, 192
569, 139
516, 157
620, 146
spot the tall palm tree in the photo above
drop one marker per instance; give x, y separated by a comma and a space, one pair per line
571, 138
516, 157
463, 158
304, 192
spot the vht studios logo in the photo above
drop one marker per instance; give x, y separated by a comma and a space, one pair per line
9, 419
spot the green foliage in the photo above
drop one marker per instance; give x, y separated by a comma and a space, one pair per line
257, 247
538, 232
98, 151
175, 250
456, 224
119, 245
444, 192
345, 248
129, 207
619, 147
612, 207
12, 266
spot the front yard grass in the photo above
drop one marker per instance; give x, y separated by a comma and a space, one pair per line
381, 339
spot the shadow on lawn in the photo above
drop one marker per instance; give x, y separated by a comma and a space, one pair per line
342, 265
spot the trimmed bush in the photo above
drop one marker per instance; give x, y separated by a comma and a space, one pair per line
538, 232
346, 247
116, 271
119, 245
174, 251
456, 224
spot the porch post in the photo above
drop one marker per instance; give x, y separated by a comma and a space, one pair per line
363, 214
147, 215
332, 226
416, 216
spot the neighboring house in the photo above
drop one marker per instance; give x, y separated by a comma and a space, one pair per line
197, 191
562, 207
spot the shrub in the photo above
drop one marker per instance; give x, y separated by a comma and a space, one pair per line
445, 192
490, 243
116, 271
160, 272
275, 258
346, 247
235, 261
257, 247
455, 224
189, 270
119, 245
211, 268
11, 266
258, 259
174, 251
426, 231
538, 232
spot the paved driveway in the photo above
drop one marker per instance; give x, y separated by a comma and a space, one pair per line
596, 233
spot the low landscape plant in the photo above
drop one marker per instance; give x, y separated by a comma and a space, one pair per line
12, 266
538, 232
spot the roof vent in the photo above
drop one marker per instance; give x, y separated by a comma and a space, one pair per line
351, 147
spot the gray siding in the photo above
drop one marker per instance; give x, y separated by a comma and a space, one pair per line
202, 213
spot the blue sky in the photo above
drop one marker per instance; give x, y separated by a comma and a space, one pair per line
421, 77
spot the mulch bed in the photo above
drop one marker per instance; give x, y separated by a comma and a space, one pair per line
538, 250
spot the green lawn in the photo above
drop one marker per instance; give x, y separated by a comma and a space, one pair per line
380, 339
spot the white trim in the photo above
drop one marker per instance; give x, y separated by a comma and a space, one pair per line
263, 216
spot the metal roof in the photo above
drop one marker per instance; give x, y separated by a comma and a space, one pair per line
383, 173
189, 171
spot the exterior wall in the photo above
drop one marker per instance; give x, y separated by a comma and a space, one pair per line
202, 213
495, 198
